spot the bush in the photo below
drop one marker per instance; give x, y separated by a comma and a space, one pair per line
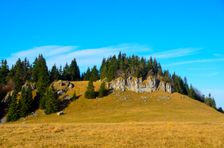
90, 93
102, 90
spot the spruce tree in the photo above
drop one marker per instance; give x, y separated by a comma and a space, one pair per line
74, 71
13, 113
54, 73
103, 69
87, 75
102, 90
18, 75
66, 72
52, 103
94, 74
26, 101
210, 101
40, 75
90, 92
4, 71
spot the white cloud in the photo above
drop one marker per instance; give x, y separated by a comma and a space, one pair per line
174, 53
196, 61
60, 55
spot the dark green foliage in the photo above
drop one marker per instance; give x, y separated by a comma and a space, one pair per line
102, 90
123, 66
54, 74
4, 71
13, 113
220, 110
210, 101
179, 85
40, 75
20, 73
92, 74
95, 74
42, 102
167, 77
90, 92
51, 101
103, 69
26, 101
87, 75
74, 71
66, 72
71, 72
192, 93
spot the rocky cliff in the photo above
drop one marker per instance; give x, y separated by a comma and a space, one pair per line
151, 84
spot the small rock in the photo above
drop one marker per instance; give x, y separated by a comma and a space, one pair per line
60, 92
70, 86
60, 113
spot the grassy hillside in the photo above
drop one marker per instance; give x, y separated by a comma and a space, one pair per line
121, 119
129, 107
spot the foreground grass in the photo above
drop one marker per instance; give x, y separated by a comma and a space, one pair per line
157, 134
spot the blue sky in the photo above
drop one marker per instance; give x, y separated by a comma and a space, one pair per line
186, 36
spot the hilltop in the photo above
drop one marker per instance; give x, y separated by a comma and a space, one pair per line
128, 106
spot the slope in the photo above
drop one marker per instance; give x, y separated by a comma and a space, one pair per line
129, 107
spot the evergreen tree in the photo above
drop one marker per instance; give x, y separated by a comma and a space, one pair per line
74, 71
167, 77
179, 85
13, 113
90, 93
102, 90
27, 70
191, 92
87, 75
26, 101
52, 103
40, 75
54, 73
17, 73
103, 69
210, 101
4, 71
220, 110
94, 74
66, 73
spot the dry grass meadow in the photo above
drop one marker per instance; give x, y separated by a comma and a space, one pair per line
120, 120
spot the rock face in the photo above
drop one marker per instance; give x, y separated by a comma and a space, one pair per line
117, 84
151, 84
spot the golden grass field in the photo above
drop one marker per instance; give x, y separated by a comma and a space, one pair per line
122, 119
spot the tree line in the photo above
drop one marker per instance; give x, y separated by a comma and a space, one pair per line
22, 71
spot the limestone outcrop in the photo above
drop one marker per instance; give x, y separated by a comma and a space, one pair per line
151, 84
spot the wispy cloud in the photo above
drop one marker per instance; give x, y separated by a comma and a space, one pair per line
60, 55
196, 61
87, 57
175, 53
